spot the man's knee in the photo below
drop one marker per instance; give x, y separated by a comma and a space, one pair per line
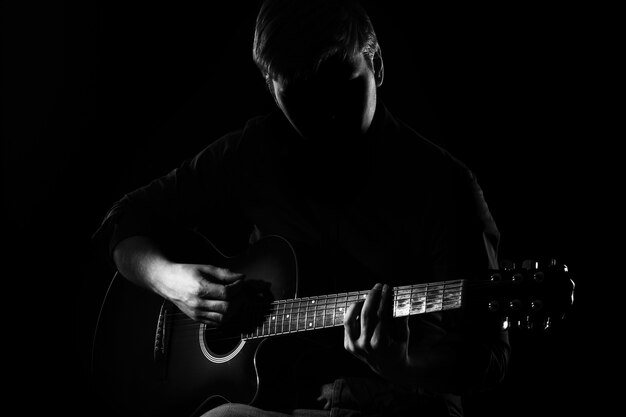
220, 411
236, 410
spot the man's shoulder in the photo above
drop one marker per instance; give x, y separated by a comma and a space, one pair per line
415, 151
234, 140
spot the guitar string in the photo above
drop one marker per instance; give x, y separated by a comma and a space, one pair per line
439, 294
322, 302
300, 324
355, 296
314, 304
248, 335
334, 297
194, 326
317, 303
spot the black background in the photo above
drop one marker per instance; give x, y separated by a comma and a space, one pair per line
100, 98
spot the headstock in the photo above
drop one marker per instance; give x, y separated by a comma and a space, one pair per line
529, 296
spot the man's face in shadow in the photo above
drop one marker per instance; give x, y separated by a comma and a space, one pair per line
337, 103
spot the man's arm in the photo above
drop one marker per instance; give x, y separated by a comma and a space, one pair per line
203, 292
446, 351
145, 221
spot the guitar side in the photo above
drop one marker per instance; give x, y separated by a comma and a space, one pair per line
150, 360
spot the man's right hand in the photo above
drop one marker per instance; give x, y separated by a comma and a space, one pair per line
205, 293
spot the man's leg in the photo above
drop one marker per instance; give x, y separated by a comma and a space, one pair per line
243, 410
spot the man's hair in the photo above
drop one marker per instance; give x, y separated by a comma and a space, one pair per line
293, 37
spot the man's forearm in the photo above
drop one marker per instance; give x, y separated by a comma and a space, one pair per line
139, 259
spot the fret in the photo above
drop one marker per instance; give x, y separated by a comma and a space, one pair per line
335, 310
298, 316
266, 326
293, 314
443, 295
287, 318
395, 304
402, 302
320, 308
271, 320
281, 317
310, 313
418, 299
434, 297
453, 295
329, 311
340, 303
273, 314
290, 316
355, 296
307, 310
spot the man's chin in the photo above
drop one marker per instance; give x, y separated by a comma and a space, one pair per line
334, 138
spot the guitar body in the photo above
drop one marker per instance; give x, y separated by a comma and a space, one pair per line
149, 359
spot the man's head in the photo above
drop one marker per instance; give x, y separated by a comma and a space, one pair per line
322, 63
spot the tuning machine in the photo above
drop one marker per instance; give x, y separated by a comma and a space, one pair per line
547, 324
506, 323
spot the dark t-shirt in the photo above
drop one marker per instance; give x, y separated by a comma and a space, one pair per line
392, 207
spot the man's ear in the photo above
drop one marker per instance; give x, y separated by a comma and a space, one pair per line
270, 88
379, 67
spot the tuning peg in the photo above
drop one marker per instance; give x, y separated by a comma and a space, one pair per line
496, 277
515, 305
547, 324
507, 265
493, 306
506, 323
536, 305
530, 265
528, 323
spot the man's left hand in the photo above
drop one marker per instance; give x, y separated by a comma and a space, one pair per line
371, 334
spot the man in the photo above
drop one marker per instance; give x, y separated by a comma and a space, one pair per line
362, 198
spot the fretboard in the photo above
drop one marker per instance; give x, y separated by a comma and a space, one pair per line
324, 311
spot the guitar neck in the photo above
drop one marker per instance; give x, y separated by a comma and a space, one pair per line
324, 311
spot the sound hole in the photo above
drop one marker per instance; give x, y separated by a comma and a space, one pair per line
221, 342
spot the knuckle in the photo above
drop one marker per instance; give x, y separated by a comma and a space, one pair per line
222, 272
375, 343
361, 345
222, 292
214, 317
192, 302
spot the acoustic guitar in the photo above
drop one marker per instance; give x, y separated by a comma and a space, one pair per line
150, 359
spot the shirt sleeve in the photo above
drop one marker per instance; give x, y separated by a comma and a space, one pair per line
197, 194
